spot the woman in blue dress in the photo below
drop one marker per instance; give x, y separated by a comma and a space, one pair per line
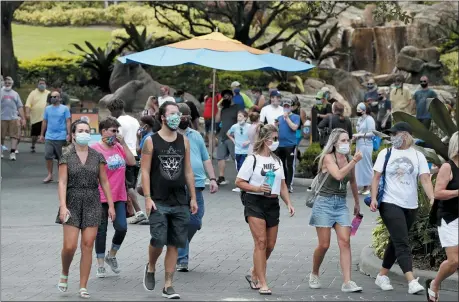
364, 143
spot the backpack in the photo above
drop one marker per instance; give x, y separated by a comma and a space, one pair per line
324, 133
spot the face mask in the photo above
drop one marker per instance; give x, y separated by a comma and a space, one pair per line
226, 103
237, 90
53, 100
41, 87
110, 140
370, 86
397, 85
242, 122
359, 113
273, 146
172, 121
343, 149
178, 99
318, 102
397, 141
380, 98
424, 85
287, 110
184, 124
7, 88
82, 138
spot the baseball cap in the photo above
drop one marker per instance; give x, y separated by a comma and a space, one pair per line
184, 109
400, 127
286, 102
275, 93
235, 84
361, 107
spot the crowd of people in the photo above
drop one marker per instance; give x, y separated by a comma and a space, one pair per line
164, 158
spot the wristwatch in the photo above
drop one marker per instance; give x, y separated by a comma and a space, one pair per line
214, 179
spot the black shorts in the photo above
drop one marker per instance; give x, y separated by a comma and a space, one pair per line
132, 172
262, 207
169, 226
35, 129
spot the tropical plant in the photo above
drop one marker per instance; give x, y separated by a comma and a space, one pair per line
140, 41
284, 80
434, 147
316, 42
99, 61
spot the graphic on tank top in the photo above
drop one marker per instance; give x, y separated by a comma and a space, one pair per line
171, 164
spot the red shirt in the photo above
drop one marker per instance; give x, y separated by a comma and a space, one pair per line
208, 106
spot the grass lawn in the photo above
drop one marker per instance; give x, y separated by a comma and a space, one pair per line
34, 41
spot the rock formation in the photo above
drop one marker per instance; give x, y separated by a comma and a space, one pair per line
419, 62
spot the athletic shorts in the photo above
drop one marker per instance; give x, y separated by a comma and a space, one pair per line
53, 149
262, 207
224, 149
35, 129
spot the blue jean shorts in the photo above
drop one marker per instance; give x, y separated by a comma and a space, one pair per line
328, 210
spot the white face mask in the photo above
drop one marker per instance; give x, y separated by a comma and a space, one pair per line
343, 149
273, 146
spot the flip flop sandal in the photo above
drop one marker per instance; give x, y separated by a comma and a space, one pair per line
265, 292
430, 294
252, 284
63, 286
47, 181
84, 293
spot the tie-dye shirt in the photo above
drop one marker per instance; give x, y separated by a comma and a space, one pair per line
115, 168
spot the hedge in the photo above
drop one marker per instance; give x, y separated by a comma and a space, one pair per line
53, 67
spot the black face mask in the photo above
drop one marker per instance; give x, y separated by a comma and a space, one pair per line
359, 113
226, 103
184, 124
380, 98
424, 85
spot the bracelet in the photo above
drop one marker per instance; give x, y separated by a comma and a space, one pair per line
214, 179
147, 196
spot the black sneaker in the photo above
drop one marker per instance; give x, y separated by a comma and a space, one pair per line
221, 181
148, 279
170, 293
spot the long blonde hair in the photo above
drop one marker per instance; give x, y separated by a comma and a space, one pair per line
453, 148
330, 146
263, 134
149, 101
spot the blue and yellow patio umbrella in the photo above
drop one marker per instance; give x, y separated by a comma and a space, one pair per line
218, 52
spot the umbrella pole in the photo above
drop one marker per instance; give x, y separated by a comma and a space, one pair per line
212, 140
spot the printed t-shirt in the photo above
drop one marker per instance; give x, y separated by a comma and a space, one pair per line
116, 169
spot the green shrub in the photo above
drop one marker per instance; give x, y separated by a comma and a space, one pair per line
425, 244
451, 62
54, 68
84, 93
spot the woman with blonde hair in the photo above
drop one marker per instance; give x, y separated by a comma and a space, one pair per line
446, 210
402, 166
330, 206
261, 180
151, 107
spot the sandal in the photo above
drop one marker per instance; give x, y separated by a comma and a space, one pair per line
430, 294
84, 293
264, 292
63, 286
253, 284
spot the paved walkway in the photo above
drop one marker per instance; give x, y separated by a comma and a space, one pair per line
221, 251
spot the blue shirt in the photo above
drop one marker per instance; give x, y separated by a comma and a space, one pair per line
371, 94
239, 100
287, 136
241, 136
142, 141
421, 96
198, 155
56, 118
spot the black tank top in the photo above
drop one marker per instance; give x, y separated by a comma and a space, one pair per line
167, 173
448, 209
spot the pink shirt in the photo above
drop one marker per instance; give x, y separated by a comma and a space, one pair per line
115, 168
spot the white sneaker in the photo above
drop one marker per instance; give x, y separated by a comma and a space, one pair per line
12, 156
383, 282
351, 287
17, 151
2, 155
236, 190
101, 272
367, 192
414, 287
138, 217
314, 281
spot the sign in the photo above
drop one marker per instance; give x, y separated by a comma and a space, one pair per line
89, 115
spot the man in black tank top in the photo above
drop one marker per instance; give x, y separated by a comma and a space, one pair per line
166, 170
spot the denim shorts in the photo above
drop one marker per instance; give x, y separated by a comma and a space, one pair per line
169, 225
328, 210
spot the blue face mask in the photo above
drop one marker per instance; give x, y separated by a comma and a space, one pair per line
172, 121
237, 90
82, 138
287, 110
41, 87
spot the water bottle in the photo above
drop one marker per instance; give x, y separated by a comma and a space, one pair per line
307, 128
356, 223
269, 180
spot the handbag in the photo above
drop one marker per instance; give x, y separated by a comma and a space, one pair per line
376, 143
315, 186
382, 182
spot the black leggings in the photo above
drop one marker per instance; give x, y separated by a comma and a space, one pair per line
398, 222
287, 155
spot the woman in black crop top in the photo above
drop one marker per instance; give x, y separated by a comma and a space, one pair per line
447, 197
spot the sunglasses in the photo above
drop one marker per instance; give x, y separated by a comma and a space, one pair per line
379, 94
113, 130
423, 82
54, 97
317, 99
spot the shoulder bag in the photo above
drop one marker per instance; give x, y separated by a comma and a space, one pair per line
382, 182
